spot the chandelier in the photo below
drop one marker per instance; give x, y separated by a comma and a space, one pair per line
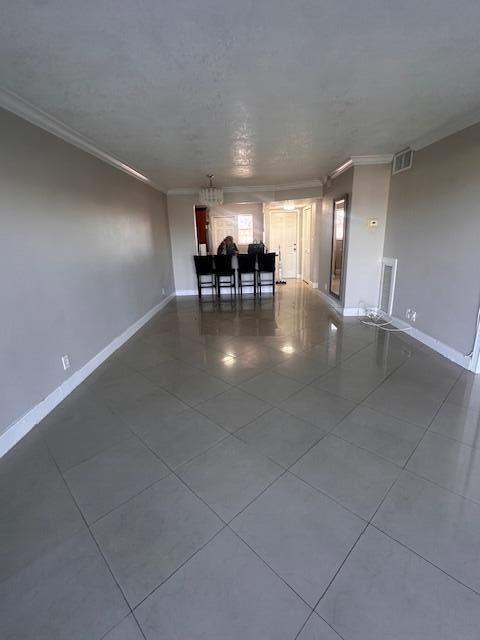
210, 195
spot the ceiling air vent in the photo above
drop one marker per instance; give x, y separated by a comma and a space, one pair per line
402, 161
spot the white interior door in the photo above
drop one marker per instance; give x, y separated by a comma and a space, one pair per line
306, 242
222, 227
283, 240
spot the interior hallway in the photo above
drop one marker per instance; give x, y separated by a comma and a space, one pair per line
256, 470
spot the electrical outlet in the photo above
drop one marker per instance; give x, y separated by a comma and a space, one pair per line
411, 315
163, 291
325, 286
65, 362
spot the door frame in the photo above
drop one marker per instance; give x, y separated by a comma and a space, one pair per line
305, 277
340, 295
297, 239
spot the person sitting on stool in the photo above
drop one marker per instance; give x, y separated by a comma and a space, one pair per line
227, 247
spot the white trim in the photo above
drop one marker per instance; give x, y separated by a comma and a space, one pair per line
183, 191
336, 305
186, 292
393, 263
40, 118
21, 427
379, 158
354, 311
354, 161
341, 169
451, 127
332, 302
433, 343
306, 184
475, 360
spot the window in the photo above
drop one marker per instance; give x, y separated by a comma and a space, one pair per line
245, 229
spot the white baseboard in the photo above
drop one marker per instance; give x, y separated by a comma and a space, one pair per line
21, 427
336, 305
354, 311
433, 343
330, 301
186, 292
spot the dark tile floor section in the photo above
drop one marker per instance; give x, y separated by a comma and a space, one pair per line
249, 470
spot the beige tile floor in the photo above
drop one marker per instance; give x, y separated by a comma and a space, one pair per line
249, 470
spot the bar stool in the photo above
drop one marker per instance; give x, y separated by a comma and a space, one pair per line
247, 266
204, 267
266, 264
224, 269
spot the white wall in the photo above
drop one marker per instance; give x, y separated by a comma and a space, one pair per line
369, 200
84, 253
181, 217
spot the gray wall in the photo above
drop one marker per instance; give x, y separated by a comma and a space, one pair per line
84, 253
433, 228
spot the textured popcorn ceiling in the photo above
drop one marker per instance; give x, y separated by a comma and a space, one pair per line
257, 92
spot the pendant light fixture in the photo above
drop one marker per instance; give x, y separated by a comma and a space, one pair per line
210, 196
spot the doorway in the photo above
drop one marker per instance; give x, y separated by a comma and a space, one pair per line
283, 231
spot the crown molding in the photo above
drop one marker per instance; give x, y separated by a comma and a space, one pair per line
345, 166
354, 161
306, 184
40, 118
448, 129
183, 191
379, 158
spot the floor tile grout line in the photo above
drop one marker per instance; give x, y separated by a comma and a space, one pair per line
416, 474
175, 571
269, 567
327, 495
132, 615
314, 613
427, 429
432, 420
268, 457
327, 623
304, 624
362, 447
92, 536
419, 555
451, 438
174, 473
340, 567
194, 457
370, 524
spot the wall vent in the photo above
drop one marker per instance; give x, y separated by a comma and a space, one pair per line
402, 161
387, 285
